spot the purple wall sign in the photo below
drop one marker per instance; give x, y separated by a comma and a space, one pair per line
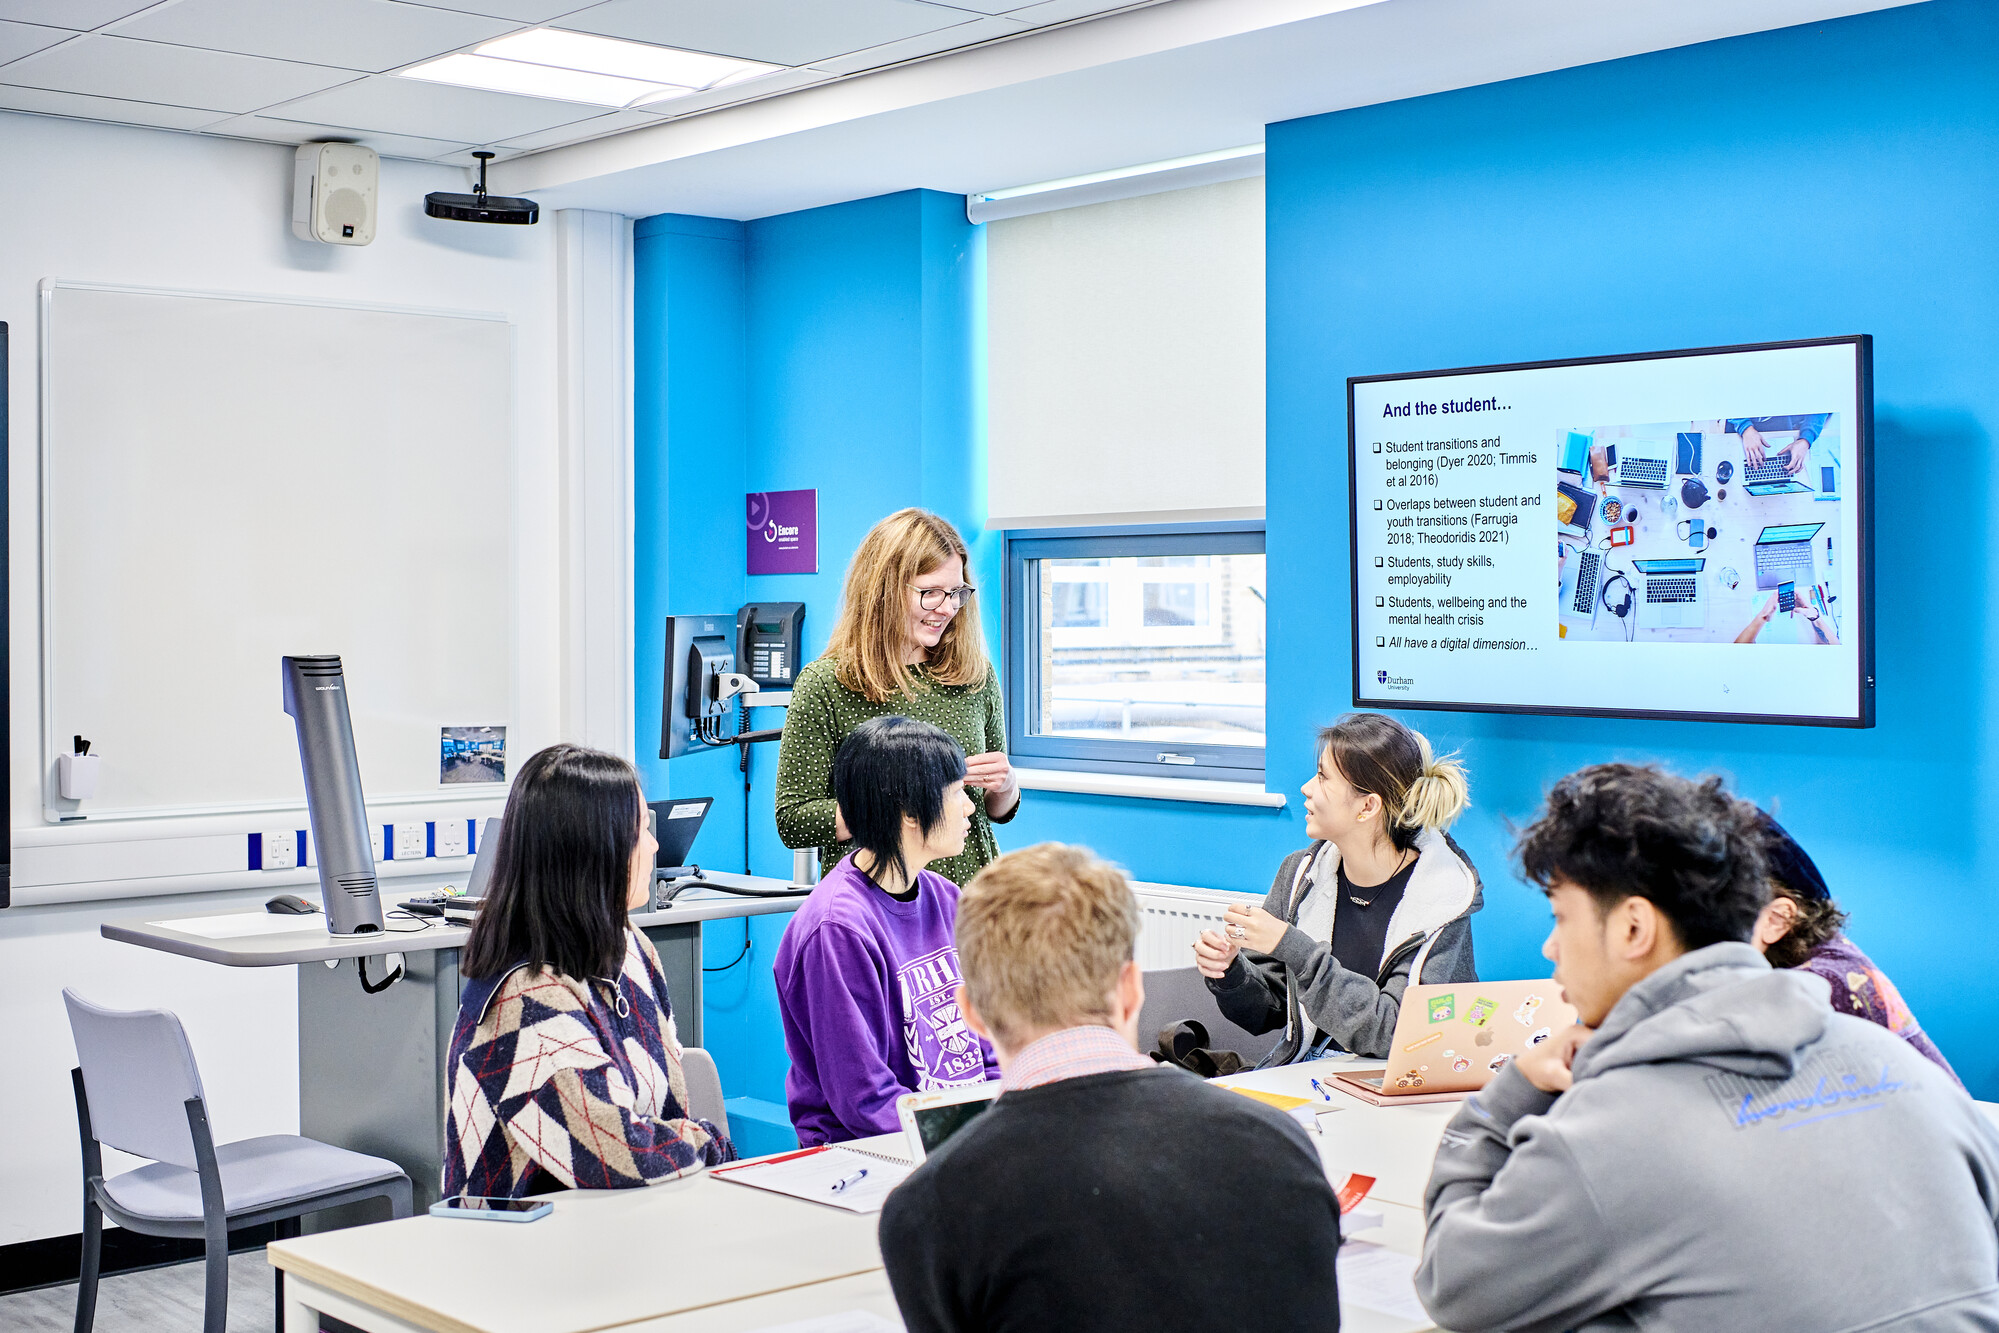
784, 532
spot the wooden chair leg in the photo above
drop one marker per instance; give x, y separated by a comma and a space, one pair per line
86, 1278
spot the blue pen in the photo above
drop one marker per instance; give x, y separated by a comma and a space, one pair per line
1322, 1089
854, 1179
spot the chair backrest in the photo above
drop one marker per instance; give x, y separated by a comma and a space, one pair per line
1174, 994
138, 1072
704, 1088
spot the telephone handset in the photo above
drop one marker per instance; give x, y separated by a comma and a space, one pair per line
769, 642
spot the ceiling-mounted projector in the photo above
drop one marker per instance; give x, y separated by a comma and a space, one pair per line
480, 206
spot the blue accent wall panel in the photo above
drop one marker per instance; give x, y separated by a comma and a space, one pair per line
1840, 177
834, 349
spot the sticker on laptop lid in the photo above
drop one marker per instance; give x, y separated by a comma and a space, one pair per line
1539, 1035
1421, 1042
1460, 1065
1524, 1015
1442, 1008
1480, 1012
1499, 1062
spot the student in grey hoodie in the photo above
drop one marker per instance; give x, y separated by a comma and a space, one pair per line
1381, 897
1711, 1146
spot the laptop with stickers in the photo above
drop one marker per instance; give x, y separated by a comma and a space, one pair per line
1450, 1040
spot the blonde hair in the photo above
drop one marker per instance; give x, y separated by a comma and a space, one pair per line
871, 635
1418, 790
1043, 934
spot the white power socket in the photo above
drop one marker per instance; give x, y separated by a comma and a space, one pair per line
451, 840
378, 839
280, 849
411, 841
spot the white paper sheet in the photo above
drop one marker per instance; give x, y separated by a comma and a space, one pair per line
812, 1174
237, 925
847, 1321
1380, 1279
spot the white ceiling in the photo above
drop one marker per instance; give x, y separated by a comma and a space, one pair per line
1188, 77
292, 71
875, 96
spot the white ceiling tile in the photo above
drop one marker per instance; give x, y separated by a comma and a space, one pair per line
368, 35
430, 110
102, 66
21, 39
297, 132
915, 48
577, 132
104, 108
520, 11
80, 15
1061, 11
781, 32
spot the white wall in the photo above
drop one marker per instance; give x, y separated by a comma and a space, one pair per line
159, 209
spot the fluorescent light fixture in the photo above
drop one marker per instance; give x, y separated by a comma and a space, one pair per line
1122, 173
512, 76
695, 70
577, 67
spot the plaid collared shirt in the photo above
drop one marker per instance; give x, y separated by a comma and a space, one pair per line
1071, 1053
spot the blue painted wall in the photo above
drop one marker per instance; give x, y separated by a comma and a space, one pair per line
1837, 178
834, 349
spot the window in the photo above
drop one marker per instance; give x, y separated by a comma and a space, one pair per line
1137, 650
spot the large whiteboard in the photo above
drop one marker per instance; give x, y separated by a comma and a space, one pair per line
227, 479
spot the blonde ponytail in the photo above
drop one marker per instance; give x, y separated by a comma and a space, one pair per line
1439, 794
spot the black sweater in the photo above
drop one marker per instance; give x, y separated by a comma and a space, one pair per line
1134, 1202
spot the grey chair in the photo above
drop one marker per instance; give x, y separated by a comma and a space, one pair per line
704, 1088
1173, 994
137, 1090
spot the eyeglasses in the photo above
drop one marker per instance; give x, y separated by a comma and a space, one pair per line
932, 598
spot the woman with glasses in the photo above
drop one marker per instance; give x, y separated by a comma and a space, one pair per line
907, 642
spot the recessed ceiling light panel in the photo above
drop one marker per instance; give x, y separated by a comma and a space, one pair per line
513, 76
695, 70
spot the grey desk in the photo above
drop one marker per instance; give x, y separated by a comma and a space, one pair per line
371, 1067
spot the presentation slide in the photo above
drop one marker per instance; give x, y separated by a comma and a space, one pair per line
1673, 534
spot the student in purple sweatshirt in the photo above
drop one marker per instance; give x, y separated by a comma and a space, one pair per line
867, 976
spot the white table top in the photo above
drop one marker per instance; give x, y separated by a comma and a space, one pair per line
682, 1246
1394, 1144
705, 1254
290, 942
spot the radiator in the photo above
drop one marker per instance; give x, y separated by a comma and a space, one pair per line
1172, 915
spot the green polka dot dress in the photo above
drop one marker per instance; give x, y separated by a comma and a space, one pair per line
823, 712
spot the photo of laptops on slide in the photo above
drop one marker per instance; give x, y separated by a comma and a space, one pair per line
1450, 1040
1669, 532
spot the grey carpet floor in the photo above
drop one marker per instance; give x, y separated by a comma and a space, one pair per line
158, 1300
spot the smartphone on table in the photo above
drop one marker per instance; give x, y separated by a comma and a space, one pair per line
480, 1209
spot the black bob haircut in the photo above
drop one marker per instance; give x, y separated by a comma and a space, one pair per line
1689, 848
562, 869
889, 767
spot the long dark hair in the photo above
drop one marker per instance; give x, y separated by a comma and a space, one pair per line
562, 869
889, 767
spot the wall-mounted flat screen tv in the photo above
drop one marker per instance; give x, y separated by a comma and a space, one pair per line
1675, 534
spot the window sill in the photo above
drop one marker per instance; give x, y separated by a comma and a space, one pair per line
1205, 790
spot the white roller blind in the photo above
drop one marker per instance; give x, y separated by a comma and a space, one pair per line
1125, 371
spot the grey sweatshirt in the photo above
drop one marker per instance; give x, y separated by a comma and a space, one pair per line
1733, 1155
1429, 938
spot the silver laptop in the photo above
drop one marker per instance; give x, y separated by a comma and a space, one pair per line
1582, 586
1648, 468
1672, 594
1784, 554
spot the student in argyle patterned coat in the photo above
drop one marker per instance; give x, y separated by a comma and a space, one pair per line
565, 1067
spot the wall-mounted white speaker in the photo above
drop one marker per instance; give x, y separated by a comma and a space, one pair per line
333, 193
